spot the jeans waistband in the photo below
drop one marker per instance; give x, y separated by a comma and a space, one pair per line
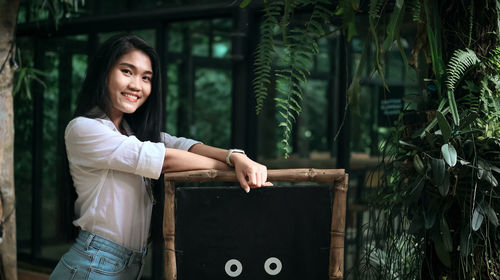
86, 239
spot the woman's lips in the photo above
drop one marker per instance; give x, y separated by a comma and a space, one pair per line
130, 96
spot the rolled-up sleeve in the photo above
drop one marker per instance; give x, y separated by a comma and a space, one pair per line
91, 143
180, 143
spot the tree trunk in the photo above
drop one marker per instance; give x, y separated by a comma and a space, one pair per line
8, 251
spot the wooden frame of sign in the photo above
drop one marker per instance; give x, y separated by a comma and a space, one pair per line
336, 176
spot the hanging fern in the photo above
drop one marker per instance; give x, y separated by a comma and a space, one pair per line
493, 61
458, 65
375, 9
265, 51
415, 9
300, 47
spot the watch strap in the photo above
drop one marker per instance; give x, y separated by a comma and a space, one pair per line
228, 157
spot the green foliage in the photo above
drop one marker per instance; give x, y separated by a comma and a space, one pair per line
24, 76
458, 65
57, 9
433, 24
445, 184
265, 51
300, 45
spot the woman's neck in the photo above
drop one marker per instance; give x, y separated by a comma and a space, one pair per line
116, 117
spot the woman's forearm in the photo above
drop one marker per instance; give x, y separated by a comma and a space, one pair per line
250, 174
215, 153
180, 160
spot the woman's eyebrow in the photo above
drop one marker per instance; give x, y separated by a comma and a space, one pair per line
135, 68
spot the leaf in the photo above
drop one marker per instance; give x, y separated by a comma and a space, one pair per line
496, 169
465, 242
490, 178
441, 252
453, 108
477, 219
449, 154
434, 39
430, 218
419, 164
490, 213
445, 235
430, 138
469, 119
416, 188
444, 126
438, 171
464, 162
393, 25
444, 188
433, 122
408, 144
245, 3
484, 172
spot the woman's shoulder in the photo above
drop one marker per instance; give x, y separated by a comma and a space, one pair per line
83, 125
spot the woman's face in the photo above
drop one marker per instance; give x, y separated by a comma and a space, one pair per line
129, 82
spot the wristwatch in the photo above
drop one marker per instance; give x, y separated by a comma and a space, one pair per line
228, 157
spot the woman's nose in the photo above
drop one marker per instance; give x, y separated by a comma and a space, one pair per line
134, 84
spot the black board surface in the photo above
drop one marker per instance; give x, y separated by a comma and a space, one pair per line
269, 233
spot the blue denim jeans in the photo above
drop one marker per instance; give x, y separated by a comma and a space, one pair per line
94, 257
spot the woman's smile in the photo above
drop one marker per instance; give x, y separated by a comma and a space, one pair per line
131, 96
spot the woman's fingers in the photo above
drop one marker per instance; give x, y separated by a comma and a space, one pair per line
243, 181
250, 174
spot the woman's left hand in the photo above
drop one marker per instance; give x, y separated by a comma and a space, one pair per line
250, 174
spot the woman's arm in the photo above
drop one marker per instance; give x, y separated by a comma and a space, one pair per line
250, 174
180, 160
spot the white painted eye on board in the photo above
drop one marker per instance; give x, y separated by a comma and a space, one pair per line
272, 266
233, 267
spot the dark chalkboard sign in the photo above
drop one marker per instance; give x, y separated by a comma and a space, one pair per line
269, 233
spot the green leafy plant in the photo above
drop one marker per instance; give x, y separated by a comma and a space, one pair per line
299, 45
442, 183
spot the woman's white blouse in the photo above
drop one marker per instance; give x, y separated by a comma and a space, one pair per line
108, 169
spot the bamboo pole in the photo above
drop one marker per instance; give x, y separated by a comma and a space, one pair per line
337, 234
282, 175
169, 231
337, 176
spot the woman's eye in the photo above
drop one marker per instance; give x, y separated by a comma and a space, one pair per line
126, 71
147, 78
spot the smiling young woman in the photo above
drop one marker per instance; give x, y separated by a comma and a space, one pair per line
116, 152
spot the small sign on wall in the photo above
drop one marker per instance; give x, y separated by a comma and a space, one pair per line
390, 104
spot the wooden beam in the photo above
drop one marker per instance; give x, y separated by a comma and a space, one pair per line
282, 175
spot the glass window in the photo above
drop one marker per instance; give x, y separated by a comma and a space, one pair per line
212, 121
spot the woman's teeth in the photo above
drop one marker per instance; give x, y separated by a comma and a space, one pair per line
129, 96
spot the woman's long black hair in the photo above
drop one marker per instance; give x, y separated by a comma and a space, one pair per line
146, 121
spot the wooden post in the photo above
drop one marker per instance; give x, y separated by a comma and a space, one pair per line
337, 176
337, 233
169, 231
